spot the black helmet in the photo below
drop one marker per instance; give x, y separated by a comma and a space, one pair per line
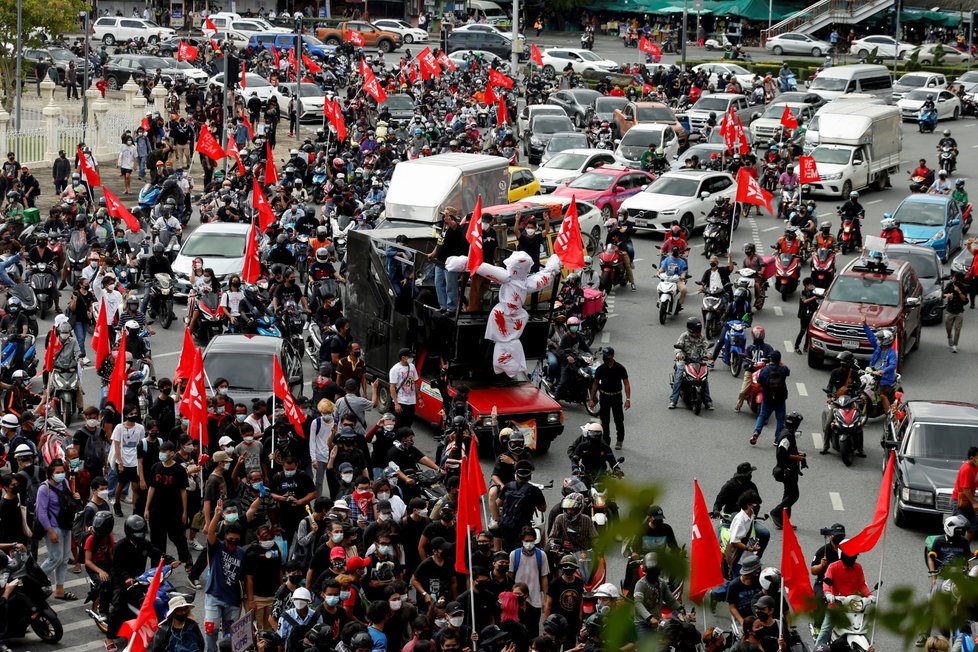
42, 238
793, 421
846, 358
650, 563
517, 441
555, 624
103, 523
281, 239
361, 640
694, 326
135, 527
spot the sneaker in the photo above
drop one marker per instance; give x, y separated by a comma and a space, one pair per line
195, 583
954, 349
618, 445
709, 406
672, 405
633, 287
85, 362
193, 545
118, 509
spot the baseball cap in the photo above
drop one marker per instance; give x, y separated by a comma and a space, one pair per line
346, 466
656, 513
356, 563
225, 441
439, 543
340, 504
454, 608
337, 553
221, 456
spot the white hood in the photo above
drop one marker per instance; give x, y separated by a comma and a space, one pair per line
655, 202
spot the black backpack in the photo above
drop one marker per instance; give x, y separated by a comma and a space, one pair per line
518, 506
775, 386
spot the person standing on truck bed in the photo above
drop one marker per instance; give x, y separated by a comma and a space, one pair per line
531, 240
404, 389
451, 242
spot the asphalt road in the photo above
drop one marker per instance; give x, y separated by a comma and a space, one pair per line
671, 448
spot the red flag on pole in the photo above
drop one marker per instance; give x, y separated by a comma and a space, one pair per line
244, 76
788, 119
489, 97
252, 263
336, 119
233, 153
568, 244
750, 192
290, 57
428, 64
280, 386
247, 124
100, 337
145, 123
535, 55
141, 629
310, 65
866, 540
209, 26
193, 403
271, 172
468, 517
370, 83
354, 37
645, 45
185, 366
260, 203
117, 382
115, 208
445, 61
808, 170
497, 78
502, 115
91, 176
473, 233
186, 52
705, 558
794, 570
208, 145
52, 347
275, 58
216, 48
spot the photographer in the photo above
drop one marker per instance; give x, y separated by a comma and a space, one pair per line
790, 462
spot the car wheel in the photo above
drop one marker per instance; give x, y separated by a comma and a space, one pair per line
863, 53
687, 222
332, 41
778, 50
408, 38
579, 120
846, 189
108, 39
385, 46
606, 213
814, 360
900, 518
154, 39
956, 114
112, 83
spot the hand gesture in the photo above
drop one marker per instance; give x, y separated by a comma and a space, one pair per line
219, 509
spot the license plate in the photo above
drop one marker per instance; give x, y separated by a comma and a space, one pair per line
639, 222
846, 344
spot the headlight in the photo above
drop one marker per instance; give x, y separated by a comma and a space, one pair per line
820, 324
857, 606
487, 422
933, 295
832, 177
535, 141
917, 496
671, 211
940, 235
553, 417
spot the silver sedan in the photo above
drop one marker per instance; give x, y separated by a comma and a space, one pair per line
797, 43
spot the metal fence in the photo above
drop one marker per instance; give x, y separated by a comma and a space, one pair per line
29, 145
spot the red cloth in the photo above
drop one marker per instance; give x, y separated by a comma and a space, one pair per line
705, 558
794, 570
920, 172
868, 537
846, 581
892, 236
671, 242
967, 480
569, 245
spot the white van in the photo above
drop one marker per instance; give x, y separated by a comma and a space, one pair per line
862, 78
493, 13
854, 101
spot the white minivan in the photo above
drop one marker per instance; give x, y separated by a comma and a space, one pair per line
869, 79
113, 29
493, 13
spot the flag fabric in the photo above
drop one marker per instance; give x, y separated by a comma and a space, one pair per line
794, 570
51, 349
271, 172
808, 170
866, 540
750, 192
275, 58
145, 123
788, 119
535, 55
117, 382
468, 517
502, 115
568, 245
497, 78
116, 209
216, 48
185, 366
412, 73
311, 65
336, 119
728, 131
425, 73
705, 558
280, 387
741, 137
445, 61
244, 79
370, 83
473, 233
354, 37
260, 203
655, 51
209, 25
489, 97
252, 263
208, 145
233, 153
247, 124
647, 89
142, 628
91, 176
100, 337
428, 64
290, 57
645, 45
186, 52
193, 403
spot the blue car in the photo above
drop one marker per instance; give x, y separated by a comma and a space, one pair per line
285, 42
933, 221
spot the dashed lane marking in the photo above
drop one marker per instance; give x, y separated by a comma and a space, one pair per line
771, 228
788, 345
836, 501
802, 390
605, 338
778, 311
875, 201
817, 440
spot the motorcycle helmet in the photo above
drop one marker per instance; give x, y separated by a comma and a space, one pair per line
103, 523
790, 233
959, 183
740, 294
885, 337
170, 202
942, 174
42, 240
20, 376
517, 442
749, 248
281, 239
573, 324
758, 334
322, 256
607, 590
793, 421
611, 223
135, 527
593, 430
158, 248
853, 195
574, 501
846, 357
888, 223
13, 305
659, 152
555, 625
132, 325
947, 132
650, 565
573, 279
826, 227
770, 577
955, 525
677, 230
361, 640
694, 326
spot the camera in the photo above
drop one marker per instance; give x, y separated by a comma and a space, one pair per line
825, 531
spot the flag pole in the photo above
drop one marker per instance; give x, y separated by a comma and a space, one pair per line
273, 422
879, 583
468, 538
781, 614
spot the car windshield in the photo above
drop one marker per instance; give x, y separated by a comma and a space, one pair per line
309, 90
399, 102
150, 23
737, 70
833, 84
256, 81
61, 54
593, 182
244, 372
924, 263
655, 114
311, 40
567, 141
777, 110
711, 104
215, 245
564, 161
180, 65
864, 289
831, 156
587, 55
674, 186
608, 104
920, 95
641, 138
551, 125
914, 81
947, 441
971, 76
922, 214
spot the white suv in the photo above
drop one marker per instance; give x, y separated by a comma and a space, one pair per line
228, 22
684, 196
556, 59
408, 34
113, 29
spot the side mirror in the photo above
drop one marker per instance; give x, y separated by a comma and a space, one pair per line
704, 195
912, 302
645, 186
619, 189
954, 222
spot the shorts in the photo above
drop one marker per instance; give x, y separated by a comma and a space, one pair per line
128, 474
888, 392
125, 170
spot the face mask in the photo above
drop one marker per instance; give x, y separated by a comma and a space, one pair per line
219, 410
59, 477
528, 546
332, 600
267, 545
93, 264
296, 579
188, 449
383, 495
103, 495
231, 518
185, 423
344, 595
423, 513
178, 616
389, 427
240, 417
337, 537
288, 473
456, 622
346, 477
248, 439
531, 232
574, 329
120, 240
395, 605
229, 449
75, 463
357, 354
256, 486
440, 623
384, 550
164, 457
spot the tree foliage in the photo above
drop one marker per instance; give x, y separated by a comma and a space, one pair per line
39, 17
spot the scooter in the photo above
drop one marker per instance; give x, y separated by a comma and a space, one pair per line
714, 305
65, 389
854, 628
823, 267
11, 360
612, 269
209, 324
716, 237
161, 299
786, 273
149, 195
43, 283
28, 605
789, 83
694, 378
842, 426
847, 235
581, 378
747, 279
135, 593
76, 253
734, 345
948, 159
919, 183
927, 120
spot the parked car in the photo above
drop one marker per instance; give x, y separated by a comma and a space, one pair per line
187, 70
169, 46
120, 68
916, 81
607, 187
797, 43
947, 103
485, 28
576, 102
635, 113
538, 134
497, 44
112, 29
246, 362
556, 59
886, 47
408, 34
254, 85
638, 139
311, 100
804, 97
522, 183
461, 57
60, 58
930, 272
569, 165
247, 26
933, 221
684, 196
563, 141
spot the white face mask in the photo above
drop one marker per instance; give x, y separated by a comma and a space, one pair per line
249, 439
337, 537
300, 604
395, 605
91, 423
267, 545
528, 546
456, 621
346, 477
103, 495
383, 495
229, 449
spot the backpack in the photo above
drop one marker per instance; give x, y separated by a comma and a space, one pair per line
299, 631
517, 507
519, 555
78, 523
95, 450
775, 385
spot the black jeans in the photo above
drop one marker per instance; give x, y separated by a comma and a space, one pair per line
803, 333
789, 497
169, 525
406, 416
612, 403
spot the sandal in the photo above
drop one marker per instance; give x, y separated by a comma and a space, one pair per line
754, 438
67, 597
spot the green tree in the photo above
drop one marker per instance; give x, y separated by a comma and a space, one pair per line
38, 17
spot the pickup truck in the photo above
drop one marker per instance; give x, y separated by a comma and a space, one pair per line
372, 37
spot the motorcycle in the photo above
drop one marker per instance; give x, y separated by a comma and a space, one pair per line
667, 291
694, 378
302, 256
612, 269
734, 345
714, 305
847, 235
28, 605
920, 183
842, 426
870, 398
947, 159
788, 83
854, 628
209, 324
76, 252
823, 267
44, 285
789, 201
65, 389
581, 378
927, 120
17, 355
786, 273
135, 593
510, 154
292, 321
748, 280
716, 237
161, 299
149, 196
28, 304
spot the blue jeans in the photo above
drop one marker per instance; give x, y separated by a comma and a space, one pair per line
677, 385
721, 341
145, 300
446, 287
217, 615
142, 166
5, 279
766, 409
553, 364
81, 331
825, 632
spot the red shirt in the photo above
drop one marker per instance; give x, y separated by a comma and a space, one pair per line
892, 236
845, 580
671, 242
967, 480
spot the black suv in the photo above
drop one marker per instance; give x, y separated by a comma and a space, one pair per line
122, 67
495, 43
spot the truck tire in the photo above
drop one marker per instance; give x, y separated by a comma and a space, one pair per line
332, 40
385, 46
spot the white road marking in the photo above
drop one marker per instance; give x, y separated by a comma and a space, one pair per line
778, 311
836, 501
84, 647
817, 440
875, 201
605, 338
788, 345
825, 214
166, 355
802, 390
974, 147
698, 245
771, 228
638, 260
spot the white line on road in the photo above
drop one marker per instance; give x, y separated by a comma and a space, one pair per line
771, 228
167, 355
637, 260
802, 390
825, 214
605, 338
836, 501
778, 311
788, 345
84, 647
875, 201
817, 440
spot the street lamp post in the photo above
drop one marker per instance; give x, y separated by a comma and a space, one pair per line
683, 32
20, 62
770, 13
88, 35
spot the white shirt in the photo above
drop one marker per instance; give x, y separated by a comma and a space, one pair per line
741, 526
231, 301
319, 432
259, 426
530, 573
404, 379
716, 282
128, 439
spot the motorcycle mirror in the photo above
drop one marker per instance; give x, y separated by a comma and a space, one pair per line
621, 459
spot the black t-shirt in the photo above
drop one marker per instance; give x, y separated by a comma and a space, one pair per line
379, 570
567, 598
610, 379
451, 242
320, 563
531, 245
405, 459
439, 529
742, 596
434, 579
215, 489
411, 532
334, 622
83, 303
168, 481
148, 455
264, 567
299, 486
285, 293
831, 554
490, 243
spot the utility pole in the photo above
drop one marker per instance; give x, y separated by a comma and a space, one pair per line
896, 36
20, 63
297, 96
515, 56
88, 35
683, 32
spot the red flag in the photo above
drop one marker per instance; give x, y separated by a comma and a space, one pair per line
52, 347
728, 129
216, 48
468, 517
656, 52
428, 64
186, 365
252, 263
186, 52
247, 124
647, 89
445, 61
749, 192
145, 123
794, 570
535, 55
244, 76
233, 153
497, 78
705, 558
568, 244
788, 120
193, 403
354, 37
116, 209
413, 74
91, 176
100, 337
645, 45
260, 203
425, 74
271, 172
502, 115
865, 540
336, 119
275, 59
117, 382
280, 387
370, 83
310, 65
142, 628
208, 26
489, 97
808, 170
473, 233
290, 57
208, 145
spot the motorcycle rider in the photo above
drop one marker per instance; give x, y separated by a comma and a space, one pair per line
755, 356
591, 452
948, 141
753, 261
824, 238
723, 210
625, 232
884, 359
845, 577
788, 181
890, 231
676, 238
960, 195
738, 309
853, 210
571, 344
942, 186
674, 265
953, 545
571, 295
652, 595
925, 173
728, 498
789, 243
692, 346
41, 253
617, 237
504, 470
655, 161
573, 530
155, 264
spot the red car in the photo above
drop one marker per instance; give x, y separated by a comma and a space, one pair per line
606, 187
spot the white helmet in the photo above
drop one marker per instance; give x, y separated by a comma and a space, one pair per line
885, 337
23, 451
770, 576
956, 522
10, 421
20, 374
887, 223
302, 593
607, 590
611, 223
132, 324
